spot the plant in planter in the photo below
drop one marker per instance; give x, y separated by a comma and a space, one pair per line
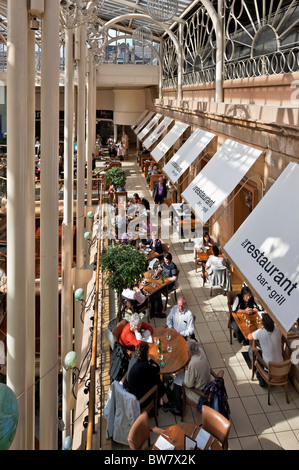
116, 177
124, 266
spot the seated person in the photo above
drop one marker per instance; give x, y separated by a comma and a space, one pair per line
203, 242
143, 374
145, 203
180, 319
136, 199
243, 303
154, 244
128, 335
169, 270
137, 298
214, 262
197, 371
269, 338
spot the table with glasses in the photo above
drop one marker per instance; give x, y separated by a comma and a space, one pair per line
173, 350
202, 257
175, 436
153, 283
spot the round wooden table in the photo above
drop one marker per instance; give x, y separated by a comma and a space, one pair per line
177, 358
177, 433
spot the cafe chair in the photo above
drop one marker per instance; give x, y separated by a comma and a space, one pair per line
231, 295
188, 401
220, 277
140, 433
276, 374
216, 424
149, 401
116, 332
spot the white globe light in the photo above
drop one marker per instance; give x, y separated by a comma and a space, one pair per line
142, 36
162, 10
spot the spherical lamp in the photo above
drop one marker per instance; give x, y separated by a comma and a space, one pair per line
68, 443
90, 215
71, 360
162, 10
79, 294
142, 36
9, 416
87, 235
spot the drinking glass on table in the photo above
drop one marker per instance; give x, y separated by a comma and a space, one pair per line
169, 348
156, 340
160, 356
168, 336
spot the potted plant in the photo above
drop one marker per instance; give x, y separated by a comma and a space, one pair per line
124, 266
116, 177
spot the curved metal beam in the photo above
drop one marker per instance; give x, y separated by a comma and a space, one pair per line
174, 39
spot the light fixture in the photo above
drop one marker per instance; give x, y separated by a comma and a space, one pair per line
75, 13
90, 215
9, 416
162, 10
68, 443
142, 36
80, 294
87, 235
71, 360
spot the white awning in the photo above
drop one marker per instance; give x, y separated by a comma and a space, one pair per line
149, 127
186, 155
140, 119
219, 177
169, 140
265, 248
144, 122
163, 126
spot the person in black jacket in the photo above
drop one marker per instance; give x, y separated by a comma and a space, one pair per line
244, 303
160, 192
143, 373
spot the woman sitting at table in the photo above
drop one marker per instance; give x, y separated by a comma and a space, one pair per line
243, 303
203, 242
143, 374
154, 244
214, 262
129, 337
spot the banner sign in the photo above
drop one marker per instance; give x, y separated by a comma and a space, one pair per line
158, 132
169, 140
219, 177
265, 248
186, 155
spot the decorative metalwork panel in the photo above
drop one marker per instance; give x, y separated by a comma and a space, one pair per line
261, 37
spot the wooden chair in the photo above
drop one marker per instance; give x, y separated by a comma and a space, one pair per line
153, 180
149, 401
165, 247
169, 291
275, 375
116, 332
220, 277
231, 295
216, 424
140, 433
188, 401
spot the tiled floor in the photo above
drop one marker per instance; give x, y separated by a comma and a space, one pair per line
255, 424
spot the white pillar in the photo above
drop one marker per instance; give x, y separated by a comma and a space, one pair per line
67, 230
90, 144
81, 158
81, 148
16, 208
219, 30
30, 244
180, 63
49, 227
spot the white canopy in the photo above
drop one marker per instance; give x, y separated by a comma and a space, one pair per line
265, 248
157, 132
219, 177
139, 119
169, 140
143, 122
149, 127
186, 155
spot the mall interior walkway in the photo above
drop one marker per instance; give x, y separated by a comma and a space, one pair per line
255, 424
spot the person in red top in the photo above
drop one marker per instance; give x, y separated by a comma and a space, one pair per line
128, 337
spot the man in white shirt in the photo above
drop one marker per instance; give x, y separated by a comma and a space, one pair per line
269, 338
181, 319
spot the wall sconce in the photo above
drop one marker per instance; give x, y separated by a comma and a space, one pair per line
67, 443
70, 363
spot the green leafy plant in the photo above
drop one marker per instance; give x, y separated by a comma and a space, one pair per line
117, 177
124, 266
